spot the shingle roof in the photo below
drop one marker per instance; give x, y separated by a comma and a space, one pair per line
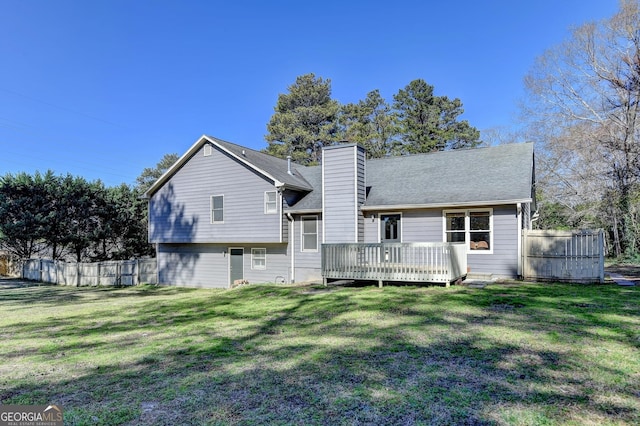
274, 166
493, 175
313, 200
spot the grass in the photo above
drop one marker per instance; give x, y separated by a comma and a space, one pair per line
508, 354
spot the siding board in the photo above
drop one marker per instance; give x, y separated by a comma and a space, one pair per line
207, 265
343, 193
180, 211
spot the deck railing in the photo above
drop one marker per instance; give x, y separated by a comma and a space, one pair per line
412, 262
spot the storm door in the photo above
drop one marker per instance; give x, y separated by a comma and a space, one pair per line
390, 233
390, 228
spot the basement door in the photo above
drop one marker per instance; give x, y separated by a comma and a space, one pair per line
236, 264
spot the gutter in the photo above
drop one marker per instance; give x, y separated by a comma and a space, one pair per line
442, 205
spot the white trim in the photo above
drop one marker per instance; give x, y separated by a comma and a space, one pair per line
292, 246
304, 211
229, 283
302, 249
266, 202
445, 205
467, 227
215, 222
519, 230
324, 216
262, 268
380, 225
280, 206
355, 193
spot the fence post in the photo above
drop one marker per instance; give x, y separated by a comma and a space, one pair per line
601, 250
135, 274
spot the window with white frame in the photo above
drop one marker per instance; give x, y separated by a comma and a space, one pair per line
473, 226
217, 208
258, 258
208, 150
309, 228
270, 202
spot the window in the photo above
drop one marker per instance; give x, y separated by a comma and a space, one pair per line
208, 149
258, 258
217, 208
309, 233
270, 202
470, 226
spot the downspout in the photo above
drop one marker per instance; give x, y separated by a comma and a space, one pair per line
292, 248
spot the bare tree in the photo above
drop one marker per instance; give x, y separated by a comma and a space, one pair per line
583, 106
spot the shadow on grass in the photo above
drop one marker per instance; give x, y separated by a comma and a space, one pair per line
264, 355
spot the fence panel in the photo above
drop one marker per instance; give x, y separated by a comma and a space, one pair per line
31, 270
573, 256
89, 274
127, 272
112, 273
147, 271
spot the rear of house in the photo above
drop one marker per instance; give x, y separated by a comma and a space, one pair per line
226, 214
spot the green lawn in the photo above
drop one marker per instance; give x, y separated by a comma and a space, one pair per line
513, 354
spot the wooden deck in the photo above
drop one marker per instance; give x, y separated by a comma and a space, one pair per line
411, 262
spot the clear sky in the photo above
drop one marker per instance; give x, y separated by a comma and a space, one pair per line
104, 88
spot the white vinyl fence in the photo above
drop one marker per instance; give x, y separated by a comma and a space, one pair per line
572, 256
111, 273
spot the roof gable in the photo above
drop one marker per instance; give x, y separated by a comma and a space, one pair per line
272, 168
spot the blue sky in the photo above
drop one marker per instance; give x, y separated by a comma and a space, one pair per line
104, 88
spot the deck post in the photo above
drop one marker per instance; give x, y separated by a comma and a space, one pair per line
324, 281
379, 283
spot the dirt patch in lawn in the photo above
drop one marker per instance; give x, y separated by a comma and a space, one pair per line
629, 272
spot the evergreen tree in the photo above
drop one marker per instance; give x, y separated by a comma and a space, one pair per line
305, 120
150, 174
23, 213
371, 124
430, 123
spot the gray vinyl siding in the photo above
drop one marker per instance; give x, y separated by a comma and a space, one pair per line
193, 265
361, 191
421, 226
207, 265
180, 211
427, 226
504, 260
417, 226
343, 190
278, 265
371, 224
